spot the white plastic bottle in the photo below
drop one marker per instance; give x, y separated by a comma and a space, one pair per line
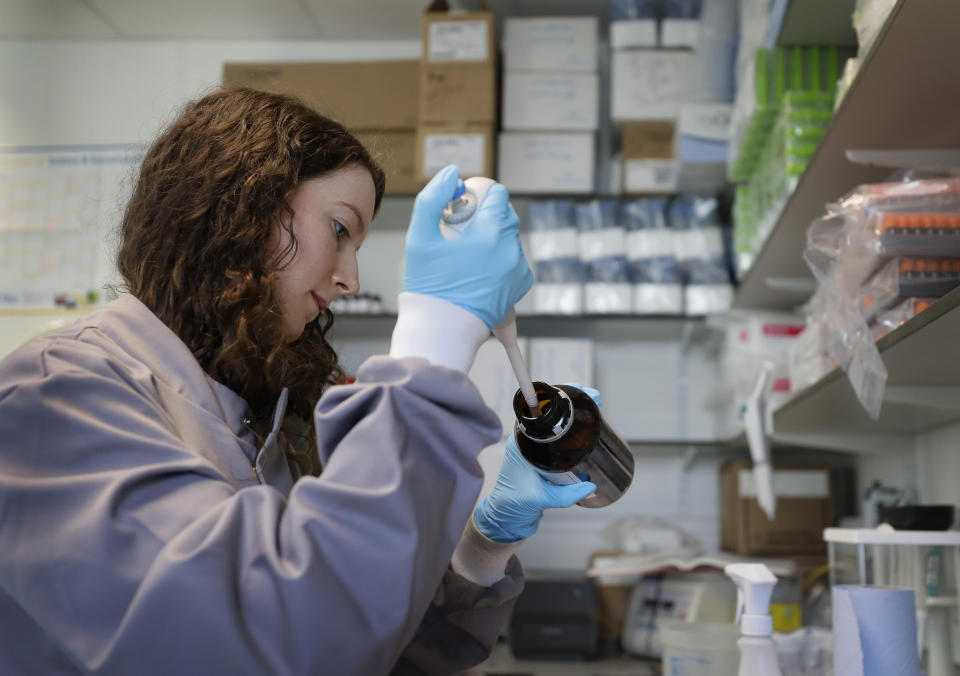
758, 651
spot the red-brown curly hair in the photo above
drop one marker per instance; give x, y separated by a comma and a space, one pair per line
194, 244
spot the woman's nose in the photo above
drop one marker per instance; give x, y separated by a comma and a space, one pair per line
347, 277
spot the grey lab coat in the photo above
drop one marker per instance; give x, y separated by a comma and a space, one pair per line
142, 532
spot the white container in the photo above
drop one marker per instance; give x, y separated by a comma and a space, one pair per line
551, 43
550, 100
552, 163
633, 33
699, 648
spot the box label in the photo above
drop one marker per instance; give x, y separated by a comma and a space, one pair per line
650, 176
463, 150
458, 41
706, 120
788, 483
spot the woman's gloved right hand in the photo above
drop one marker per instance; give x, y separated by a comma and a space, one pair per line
483, 270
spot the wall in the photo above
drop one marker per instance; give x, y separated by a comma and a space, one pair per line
92, 91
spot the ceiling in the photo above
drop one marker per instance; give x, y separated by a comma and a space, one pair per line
246, 19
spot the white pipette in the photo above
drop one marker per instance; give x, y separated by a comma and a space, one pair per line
457, 216
506, 333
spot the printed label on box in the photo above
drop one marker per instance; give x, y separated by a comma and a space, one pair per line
788, 483
458, 41
464, 150
650, 175
706, 120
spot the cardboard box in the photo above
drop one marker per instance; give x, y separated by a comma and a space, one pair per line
469, 146
395, 151
679, 32
537, 162
804, 509
633, 33
648, 140
462, 37
457, 93
548, 100
651, 84
550, 43
359, 95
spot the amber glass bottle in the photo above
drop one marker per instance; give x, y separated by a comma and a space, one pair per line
570, 441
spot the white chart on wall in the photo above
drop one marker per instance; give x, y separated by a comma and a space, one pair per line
59, 210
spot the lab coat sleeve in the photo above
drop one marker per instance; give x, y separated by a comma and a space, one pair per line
470, 609
462, 625
153, 562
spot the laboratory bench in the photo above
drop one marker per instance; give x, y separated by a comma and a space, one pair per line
503, 663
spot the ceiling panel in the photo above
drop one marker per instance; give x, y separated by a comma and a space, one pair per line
51, 19
367, 19
198, 19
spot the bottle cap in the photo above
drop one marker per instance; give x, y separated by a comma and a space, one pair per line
754, 587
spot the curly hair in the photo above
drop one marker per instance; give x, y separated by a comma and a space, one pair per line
194, 245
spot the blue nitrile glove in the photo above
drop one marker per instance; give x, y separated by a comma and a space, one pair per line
483, 270
513, 509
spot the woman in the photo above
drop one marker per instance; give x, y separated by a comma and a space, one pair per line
177, 497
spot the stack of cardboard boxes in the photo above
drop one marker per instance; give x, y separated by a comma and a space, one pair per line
376, 100
457, 94
550, 111
671, 77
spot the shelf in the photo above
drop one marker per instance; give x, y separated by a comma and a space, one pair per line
606, 328
876, 536
814, 22
905, 96
923, 390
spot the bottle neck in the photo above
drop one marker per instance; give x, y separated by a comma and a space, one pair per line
756, 625
556, 413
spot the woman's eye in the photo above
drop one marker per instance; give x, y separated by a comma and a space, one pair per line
340, 230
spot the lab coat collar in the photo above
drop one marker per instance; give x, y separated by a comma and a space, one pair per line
272, 466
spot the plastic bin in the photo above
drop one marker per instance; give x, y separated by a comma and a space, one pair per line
699, 648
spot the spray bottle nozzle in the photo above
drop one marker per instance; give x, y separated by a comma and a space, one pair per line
755, 585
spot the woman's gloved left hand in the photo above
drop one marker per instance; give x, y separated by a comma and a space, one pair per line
514, 507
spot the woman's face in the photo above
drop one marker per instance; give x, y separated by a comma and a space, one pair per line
331, 217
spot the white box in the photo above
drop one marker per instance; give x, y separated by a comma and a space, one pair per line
706, 120
550, 43
550, 100
633, 33
679, 32
650, 176
530, 162
651, 84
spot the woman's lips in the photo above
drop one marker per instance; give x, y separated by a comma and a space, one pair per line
320, 301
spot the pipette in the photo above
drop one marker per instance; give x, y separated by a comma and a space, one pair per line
457, 216
506, 333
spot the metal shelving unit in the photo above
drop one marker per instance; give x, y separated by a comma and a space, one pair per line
815, 22
923, 390
904, 97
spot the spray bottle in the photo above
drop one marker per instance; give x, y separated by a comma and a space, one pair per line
758, 651
559, 430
